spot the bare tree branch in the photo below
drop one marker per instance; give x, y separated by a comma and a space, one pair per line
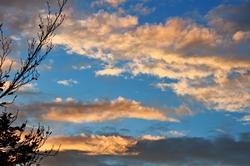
38, 49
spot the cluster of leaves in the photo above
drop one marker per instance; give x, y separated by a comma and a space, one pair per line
19, 146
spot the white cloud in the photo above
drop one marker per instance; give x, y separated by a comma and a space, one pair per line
69, 82
174, 133
58, 100
69, 99
30, 87
81, 67
246, 118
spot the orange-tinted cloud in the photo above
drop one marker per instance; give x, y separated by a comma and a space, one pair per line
74, 112
179, 49
113, 3
110, 72
93, 144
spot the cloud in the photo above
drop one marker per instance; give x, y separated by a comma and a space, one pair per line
66, 158
91, 34
113, 3
169, 151
182, 50
18, 3
99, 144
178, 49
28, 87
22, 16
183, 111
189, 53
58, 100
76, 112
69, 82
230, 94
81, 67
246, 118
110, 72
223, 150
100, 111
93, 144
141, 9
241, 36
152, 137
232, 18
175, 134
46, 67
69, 99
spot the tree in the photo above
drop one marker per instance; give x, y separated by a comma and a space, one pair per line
19, 146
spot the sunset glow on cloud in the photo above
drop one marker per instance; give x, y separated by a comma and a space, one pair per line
147, 82
94, 145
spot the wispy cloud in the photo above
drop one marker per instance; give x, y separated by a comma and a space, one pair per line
246, 118
69, 82
81, 67
103, 111
113, 3
152, 137
110, 72
76, 112
29, 89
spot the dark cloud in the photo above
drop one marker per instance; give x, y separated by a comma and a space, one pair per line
76, 158
18, 14
22, 15
72, 157
231, 18
22, 3
245, 137
223, 150
173, 151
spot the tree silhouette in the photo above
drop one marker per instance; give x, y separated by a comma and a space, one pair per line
19, 146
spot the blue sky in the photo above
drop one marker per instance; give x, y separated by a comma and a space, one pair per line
132, 71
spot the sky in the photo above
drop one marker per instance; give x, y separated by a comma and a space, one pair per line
140, 82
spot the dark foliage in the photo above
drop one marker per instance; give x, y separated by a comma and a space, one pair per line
19, 145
